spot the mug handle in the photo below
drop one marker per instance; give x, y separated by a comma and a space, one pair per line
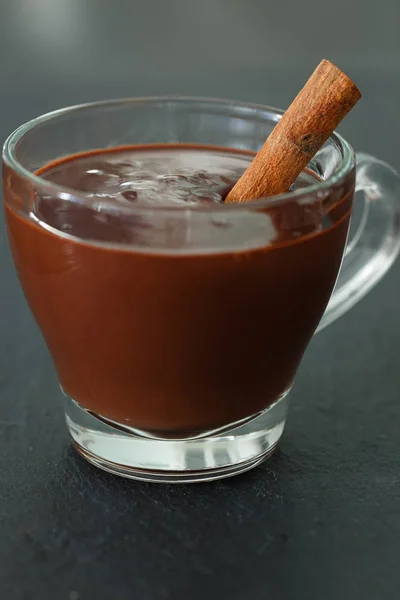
376, 243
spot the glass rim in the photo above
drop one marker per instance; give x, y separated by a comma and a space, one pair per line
10, 159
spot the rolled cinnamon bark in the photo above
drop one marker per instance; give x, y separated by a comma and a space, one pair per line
313, 115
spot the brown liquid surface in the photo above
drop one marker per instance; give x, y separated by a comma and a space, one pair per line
164, 322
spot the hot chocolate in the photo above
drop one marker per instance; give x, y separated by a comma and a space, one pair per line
171, 321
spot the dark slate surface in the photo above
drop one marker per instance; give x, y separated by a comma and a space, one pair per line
322, 518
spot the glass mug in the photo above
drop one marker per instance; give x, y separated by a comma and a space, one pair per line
177, 331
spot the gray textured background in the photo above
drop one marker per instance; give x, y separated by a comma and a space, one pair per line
322, 518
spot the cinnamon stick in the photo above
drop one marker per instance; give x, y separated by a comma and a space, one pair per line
313, 115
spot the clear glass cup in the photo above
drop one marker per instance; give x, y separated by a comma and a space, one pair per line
215, 402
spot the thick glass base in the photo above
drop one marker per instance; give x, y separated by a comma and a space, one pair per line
176, 461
